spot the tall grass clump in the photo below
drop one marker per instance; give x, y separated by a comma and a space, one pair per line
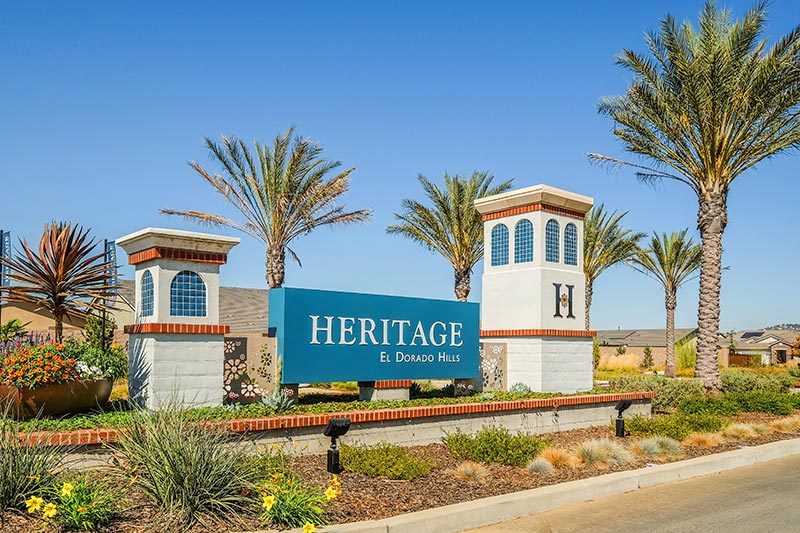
659, 447
189, 470
669, 391
540, 466
24, 470
603, 451
559, 457
495, 445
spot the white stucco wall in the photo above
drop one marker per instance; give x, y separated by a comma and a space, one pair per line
163, 272
522, 296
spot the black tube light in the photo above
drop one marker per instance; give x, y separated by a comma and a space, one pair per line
336, 428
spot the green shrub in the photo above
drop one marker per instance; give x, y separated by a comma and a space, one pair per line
760, 401
715, 405
386, 460
686, 353
24, 470
191, 471
734, 380
495, 445
647, 359
288, 502
676, 427
104, 364
669, 391
83, 505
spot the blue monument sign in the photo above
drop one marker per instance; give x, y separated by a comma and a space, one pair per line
326, 336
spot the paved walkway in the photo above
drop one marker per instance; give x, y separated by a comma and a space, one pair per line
758, 498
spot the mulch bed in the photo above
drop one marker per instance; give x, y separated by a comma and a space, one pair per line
366, 498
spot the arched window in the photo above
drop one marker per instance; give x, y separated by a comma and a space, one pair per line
146, 295
571, 244
499, 245
551, 238
523, 241
187, 295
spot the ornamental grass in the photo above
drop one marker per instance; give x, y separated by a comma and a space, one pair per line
704, 440
191, 471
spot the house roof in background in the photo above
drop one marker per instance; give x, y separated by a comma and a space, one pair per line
244, 310
758, 339
640, 337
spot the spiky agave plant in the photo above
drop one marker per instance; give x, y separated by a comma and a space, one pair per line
283, 191
66, 276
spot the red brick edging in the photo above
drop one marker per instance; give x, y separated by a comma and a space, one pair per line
193, 329
530, 208
105, 436
538, 333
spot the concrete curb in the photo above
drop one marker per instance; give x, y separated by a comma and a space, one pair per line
487, 511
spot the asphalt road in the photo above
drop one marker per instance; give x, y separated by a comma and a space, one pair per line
758, 498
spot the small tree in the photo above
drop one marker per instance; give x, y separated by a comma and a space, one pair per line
647, 360
93, 332
621, 350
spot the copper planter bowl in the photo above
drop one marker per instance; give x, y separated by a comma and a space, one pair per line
55, 400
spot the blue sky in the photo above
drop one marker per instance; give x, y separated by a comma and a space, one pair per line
103, 103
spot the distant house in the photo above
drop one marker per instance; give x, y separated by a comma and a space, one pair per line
770, 346
635, 341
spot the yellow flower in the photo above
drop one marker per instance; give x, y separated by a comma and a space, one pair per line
276, 477
331, 493
269, 501
334, 482
49, 510
309, 528
34, 503
67, 489
82, 509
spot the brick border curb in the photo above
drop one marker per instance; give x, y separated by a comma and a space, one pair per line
84, 437
496, 509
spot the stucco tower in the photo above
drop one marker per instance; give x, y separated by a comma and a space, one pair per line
176, 345
534, 286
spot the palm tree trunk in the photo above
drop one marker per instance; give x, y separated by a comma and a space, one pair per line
276, 266
588, 302
462, 285
712, 217
670, 300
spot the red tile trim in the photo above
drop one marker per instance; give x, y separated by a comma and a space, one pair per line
104, 436
538, 333
531, 208
393, 384
191, 329
158, 252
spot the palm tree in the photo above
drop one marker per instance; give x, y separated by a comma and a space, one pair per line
451, 226
704, 107
66, 276
671, 260
605, 244
283, 192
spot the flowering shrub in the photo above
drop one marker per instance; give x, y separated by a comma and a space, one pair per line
287, 502
30, 367
78, 506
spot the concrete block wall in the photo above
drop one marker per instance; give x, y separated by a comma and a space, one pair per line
550, 364
423, 431
175, 368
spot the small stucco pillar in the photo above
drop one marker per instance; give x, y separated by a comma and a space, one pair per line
176, 346
533, 287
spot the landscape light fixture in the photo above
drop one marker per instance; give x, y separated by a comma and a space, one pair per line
336, 428
620, 422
